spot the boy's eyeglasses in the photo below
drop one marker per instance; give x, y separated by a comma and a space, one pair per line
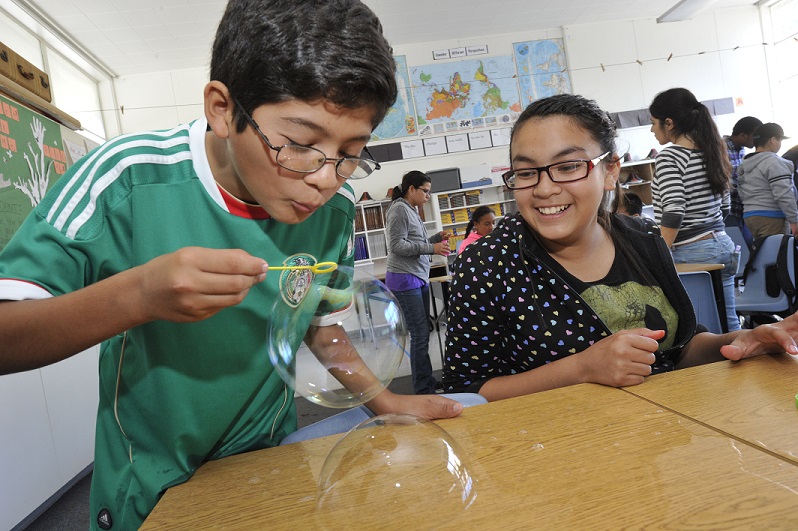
306, 159
567, 171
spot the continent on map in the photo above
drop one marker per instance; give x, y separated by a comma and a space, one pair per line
465, 93
445, 102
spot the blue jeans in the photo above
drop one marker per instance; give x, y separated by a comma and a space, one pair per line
716, 250
415, 307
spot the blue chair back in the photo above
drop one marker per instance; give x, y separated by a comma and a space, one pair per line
346, 420
699, 287
762, 292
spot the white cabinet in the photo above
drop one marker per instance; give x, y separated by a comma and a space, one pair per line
47, 423
454, 208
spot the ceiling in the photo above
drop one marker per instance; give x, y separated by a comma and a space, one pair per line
139, 36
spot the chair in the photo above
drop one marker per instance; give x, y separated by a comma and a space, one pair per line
698, 285
345, 421
769, 279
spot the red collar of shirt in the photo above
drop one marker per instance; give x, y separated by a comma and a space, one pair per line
241, 209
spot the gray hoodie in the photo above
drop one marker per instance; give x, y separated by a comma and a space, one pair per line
409, 248
765, 184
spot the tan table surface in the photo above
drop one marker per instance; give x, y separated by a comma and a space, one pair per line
585, 456
752, 400
691, 268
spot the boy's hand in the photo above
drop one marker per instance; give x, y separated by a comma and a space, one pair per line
624, 358
194, 283
426, 406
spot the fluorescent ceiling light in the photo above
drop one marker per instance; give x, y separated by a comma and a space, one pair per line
685, 10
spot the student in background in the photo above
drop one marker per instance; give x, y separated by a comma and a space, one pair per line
742, 137
564, 292
482, 222
792, 155
691, 187
409, 257
630, 204
766, 186
157, 245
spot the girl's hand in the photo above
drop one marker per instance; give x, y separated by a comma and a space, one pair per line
441, 248
764, 339
622, 359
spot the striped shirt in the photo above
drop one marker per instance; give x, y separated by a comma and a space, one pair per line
682, 196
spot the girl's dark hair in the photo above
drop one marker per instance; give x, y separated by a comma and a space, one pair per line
478, 214
589, 116
412, 178
691, 118
271, 51
597, 122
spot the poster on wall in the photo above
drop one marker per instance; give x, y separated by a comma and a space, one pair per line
542, 70
464, 91
32, 159
400, 121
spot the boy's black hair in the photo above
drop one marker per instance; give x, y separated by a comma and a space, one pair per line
746, 125
271, 51
632, 203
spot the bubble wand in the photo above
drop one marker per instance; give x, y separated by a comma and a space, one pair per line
319, 269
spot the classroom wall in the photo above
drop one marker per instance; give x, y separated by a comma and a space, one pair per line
719, 54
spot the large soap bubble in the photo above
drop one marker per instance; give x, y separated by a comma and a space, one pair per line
355, 335
401, 464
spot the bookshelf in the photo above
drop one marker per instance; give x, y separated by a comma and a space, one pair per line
370, 239
454, 208
637, 177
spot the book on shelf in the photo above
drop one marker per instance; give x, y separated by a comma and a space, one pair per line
361, 249
374, 219
359, 227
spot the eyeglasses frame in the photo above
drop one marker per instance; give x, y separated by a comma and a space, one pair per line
591, 163
327, 159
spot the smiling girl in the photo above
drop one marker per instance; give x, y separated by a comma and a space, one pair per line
565, 292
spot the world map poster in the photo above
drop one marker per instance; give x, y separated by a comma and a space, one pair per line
542, 70
465, 94
401, 118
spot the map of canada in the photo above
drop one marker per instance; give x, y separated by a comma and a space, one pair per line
465, 91
541, 68
401, 118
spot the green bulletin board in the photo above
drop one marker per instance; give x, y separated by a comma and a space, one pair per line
32, 158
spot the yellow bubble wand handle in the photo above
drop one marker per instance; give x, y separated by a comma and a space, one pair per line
319, 269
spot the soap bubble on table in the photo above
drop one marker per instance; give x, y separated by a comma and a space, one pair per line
389, 464
354, 318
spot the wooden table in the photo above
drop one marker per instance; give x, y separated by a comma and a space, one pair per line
584, 456
752, 400
714, 271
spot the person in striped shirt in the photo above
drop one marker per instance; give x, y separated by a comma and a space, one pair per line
691, 187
